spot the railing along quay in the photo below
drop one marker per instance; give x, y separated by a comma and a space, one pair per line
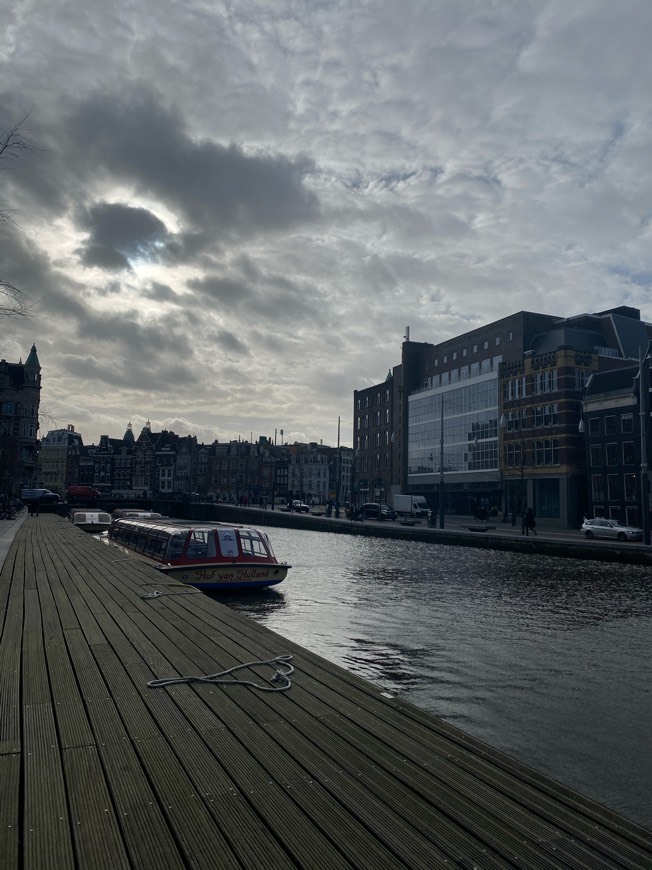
99, 770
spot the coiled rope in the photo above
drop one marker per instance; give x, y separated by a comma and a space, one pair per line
282, 675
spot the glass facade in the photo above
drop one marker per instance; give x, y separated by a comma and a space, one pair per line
470, 411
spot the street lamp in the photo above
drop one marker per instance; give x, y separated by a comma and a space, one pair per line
441, 463
644, 410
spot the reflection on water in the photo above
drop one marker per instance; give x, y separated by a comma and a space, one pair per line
259, 603
545, 658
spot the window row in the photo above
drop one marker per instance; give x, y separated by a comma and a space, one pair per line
363, 402
611, 424
614, 487
543, 415
464, 373
543, 451
474, 349
372, 463
614, 454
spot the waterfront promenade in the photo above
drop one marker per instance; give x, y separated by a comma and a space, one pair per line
98, 770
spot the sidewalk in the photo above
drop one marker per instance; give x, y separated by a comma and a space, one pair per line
8, 529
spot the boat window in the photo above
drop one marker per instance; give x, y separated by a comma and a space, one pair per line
201, 544
175, 545
251, 543
228, 542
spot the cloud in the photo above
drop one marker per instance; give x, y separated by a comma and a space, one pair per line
135, 139
118, 233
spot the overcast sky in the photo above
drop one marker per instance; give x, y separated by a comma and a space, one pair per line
237, 207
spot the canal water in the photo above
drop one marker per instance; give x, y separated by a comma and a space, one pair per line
547, 659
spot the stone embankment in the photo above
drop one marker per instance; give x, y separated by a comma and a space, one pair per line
458, 531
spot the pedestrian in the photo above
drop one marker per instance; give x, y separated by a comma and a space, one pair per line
529, 522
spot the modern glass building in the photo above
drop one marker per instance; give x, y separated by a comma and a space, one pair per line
453, 430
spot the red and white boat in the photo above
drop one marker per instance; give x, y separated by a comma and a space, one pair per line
204, 555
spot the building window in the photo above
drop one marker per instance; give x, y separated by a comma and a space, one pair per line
629, 455
630, 487
610, 425
475, 348
454, 355
597, 485
485, 345
497, 340
509, 336
581, 378
612, 486
612, 454
626, 423
596, 455
594, 427
545, 382
463, 351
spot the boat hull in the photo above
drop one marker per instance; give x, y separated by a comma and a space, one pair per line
227, 576
93, 528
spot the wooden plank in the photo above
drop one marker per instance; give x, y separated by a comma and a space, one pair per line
46, 835
10, 809
96, 828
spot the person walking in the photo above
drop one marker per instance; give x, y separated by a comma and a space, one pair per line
529, 522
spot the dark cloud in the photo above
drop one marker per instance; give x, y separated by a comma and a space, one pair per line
122, 374
226, 291
231, 343
135, 139
160, 293
119, 233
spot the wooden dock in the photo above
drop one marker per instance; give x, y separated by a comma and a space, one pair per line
99, 770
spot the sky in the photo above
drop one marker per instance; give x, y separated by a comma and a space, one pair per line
233, 210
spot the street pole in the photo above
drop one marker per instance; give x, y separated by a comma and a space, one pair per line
339, 474
644, 408
441, 464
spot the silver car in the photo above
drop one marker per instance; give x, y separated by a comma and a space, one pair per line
600, 527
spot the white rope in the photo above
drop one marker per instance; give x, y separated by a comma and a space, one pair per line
281, 676
157, 594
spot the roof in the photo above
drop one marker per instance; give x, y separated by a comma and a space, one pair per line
611, 381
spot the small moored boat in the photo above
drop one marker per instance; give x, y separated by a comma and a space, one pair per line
90, 520
204, 555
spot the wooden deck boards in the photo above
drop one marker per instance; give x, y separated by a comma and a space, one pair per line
98, 770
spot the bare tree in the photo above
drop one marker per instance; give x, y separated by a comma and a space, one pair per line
14, 146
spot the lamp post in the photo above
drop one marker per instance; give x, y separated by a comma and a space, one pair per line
441, 463
339, 474
644, 410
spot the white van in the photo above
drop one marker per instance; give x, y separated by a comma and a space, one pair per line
45, 496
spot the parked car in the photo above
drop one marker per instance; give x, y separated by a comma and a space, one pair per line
44, 496
75, 493
601, 527
372, 510
300, 506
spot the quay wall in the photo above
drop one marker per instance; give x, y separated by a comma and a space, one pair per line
482, 535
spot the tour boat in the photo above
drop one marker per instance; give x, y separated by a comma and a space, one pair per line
90, 520
204, 555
